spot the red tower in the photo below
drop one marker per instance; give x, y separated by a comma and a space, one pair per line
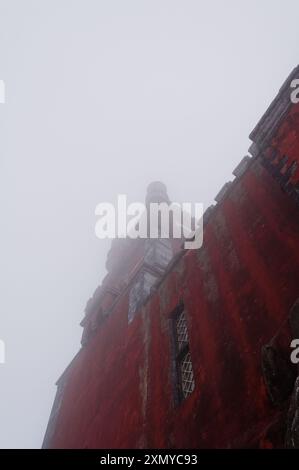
191, 348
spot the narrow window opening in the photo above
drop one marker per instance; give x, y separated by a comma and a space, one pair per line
185, 383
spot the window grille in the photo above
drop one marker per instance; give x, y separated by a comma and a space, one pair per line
181, 330
184, 369
187, 377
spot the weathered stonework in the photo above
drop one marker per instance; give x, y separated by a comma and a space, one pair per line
237, 290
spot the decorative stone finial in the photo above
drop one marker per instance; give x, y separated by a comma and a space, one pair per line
156, 192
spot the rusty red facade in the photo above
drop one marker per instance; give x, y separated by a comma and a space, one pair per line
237, 291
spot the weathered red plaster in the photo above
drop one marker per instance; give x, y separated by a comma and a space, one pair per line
237, 291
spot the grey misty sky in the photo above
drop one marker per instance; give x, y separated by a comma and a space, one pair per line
102, 98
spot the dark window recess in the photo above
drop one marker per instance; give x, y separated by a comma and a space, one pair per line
185, 383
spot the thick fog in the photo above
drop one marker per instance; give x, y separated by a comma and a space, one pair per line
103, 97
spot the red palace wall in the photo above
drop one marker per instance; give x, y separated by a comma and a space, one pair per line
237, 292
